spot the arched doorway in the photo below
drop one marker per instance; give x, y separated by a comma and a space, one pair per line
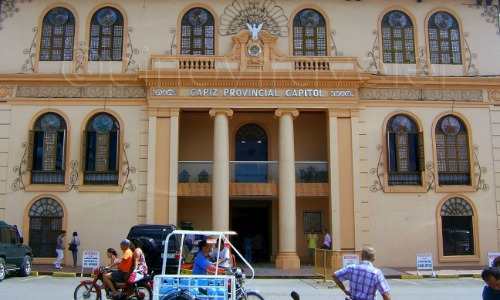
457, 227
251, 150
45, 223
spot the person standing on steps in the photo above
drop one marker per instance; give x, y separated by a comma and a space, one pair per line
59, 250
73, 247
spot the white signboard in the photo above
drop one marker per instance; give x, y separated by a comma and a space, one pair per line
91, 259
349, 259
491, 257
424, 262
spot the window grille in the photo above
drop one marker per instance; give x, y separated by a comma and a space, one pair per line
58, 34
197, 32
398, 42
106, 35
444, 39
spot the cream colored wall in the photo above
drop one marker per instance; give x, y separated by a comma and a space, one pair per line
310, 137
401, 225
495, 139
195, 134
305, 205
196, 210
5, 120
153, 23
101, 218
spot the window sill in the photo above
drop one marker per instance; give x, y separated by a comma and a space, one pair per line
100, 188
46, 188
459, 259
454, 189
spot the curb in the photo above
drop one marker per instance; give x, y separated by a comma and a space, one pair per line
450, 276
64, 274
34, 273
411, 277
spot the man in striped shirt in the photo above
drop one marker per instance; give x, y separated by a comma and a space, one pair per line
364, 279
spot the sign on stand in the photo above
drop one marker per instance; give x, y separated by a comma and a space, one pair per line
349, 259
491, 257
425, 263
91, 259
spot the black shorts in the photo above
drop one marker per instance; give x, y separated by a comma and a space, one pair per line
119, 276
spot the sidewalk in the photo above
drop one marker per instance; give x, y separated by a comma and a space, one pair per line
268, 271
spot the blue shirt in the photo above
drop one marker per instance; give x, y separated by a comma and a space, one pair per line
201, 264
364, 280
490, 294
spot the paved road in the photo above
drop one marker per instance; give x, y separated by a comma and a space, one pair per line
44, 287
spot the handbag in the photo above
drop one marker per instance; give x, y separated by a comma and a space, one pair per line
72, 247
135, 276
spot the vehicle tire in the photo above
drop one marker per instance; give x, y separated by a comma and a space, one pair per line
25, 267
178, 296
146, 291
87, 291
252, 295
3, 270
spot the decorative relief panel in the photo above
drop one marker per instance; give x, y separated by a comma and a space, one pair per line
494, 95
420, 94
6, 92
80, 92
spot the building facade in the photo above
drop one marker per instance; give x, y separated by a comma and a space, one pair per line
378, 121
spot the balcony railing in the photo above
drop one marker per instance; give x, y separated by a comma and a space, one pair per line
101, 178
454, 178
311, 172
47, 177
195, 171
406, 178
253, 171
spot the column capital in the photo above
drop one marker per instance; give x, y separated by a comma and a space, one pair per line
163, 112
215, 111
285, 111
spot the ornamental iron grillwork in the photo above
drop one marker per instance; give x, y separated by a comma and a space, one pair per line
130, 52
21, 169
46, 207
456, 207
29, 62
127, 185
239, 13
470, 66
378, 173
373, 56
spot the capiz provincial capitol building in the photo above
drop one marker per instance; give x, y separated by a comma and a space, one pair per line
378, 121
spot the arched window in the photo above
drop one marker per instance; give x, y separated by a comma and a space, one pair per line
457, 227
46, 223
197, 32
398, 38
452, 149
251, 154
444, 39
309, 34
47, 150
405, 153
102, 147
58, 34
106, 35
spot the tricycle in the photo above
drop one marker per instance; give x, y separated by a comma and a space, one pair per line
224, 284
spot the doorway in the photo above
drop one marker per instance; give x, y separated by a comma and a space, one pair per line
251, 219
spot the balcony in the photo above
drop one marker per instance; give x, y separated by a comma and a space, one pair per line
312, 179
47, 177
253, 178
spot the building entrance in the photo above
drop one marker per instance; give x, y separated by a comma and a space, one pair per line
251, 219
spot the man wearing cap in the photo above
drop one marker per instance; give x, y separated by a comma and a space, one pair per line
124, 267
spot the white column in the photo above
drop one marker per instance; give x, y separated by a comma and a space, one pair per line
150, 206
287, 257
220, 178
174, 162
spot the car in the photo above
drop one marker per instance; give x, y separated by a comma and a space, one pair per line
14, 256
152, 237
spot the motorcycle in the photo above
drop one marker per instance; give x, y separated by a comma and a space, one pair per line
92, 289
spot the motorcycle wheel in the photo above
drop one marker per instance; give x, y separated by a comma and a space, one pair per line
87, 291
252, 295
143, 293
